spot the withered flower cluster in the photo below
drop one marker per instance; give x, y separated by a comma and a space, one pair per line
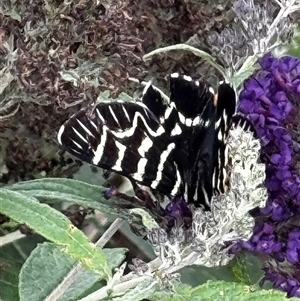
58, 55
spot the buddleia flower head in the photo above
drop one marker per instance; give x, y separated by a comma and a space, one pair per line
213, 232
271, 99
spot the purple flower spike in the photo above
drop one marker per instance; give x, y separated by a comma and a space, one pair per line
287, 282
271, 100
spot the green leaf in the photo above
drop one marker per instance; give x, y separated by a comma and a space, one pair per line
222, 290
54, 226
105, 95
200, 53
13, 256
196, 275
87, 175
294, 47
69, 186
44, 270
218, 291
14, 15
143, 291
147, 220
9, 280
247, 69
48, 265
68, 190
125, 97
247, 268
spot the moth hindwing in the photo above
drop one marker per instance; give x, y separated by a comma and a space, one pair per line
177, 148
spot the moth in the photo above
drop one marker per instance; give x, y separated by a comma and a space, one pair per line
175, 148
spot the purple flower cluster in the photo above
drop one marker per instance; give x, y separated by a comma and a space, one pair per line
271, 100
177, 213
287, 282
